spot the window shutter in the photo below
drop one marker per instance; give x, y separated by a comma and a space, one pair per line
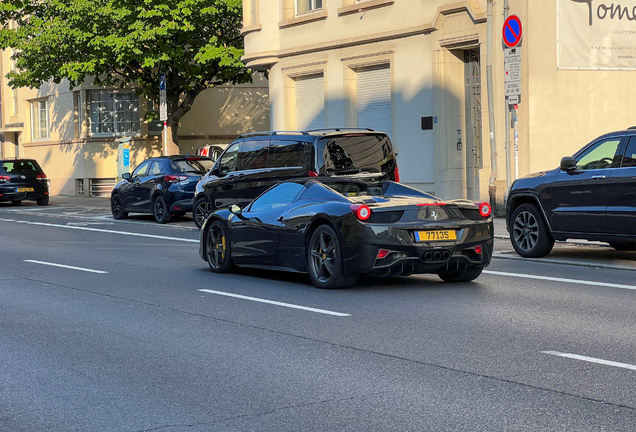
310, 103
373, 88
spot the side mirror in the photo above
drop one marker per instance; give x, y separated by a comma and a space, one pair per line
215, 171
236, 209
568, 164
126, 176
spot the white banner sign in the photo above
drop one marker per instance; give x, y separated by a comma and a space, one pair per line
596, 34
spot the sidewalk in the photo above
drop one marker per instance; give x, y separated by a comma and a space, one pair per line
572, 252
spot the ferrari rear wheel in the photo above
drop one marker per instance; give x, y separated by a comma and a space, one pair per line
218, 248
324, 260
463, 275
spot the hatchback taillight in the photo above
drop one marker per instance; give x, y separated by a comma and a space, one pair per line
4, 178
41, 176
362, 212
396, 174
176, 178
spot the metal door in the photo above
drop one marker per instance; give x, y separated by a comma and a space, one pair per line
474, 160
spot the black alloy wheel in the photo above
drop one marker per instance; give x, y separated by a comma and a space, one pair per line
202, 208
16, 202
160, 210
463, 275
116, 208
324, 260
218, 248
529, 233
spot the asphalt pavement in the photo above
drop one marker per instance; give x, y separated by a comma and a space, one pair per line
119, 326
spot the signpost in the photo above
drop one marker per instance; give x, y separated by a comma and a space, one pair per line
163, 111
512, 33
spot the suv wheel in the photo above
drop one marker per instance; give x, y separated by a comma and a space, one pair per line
529, 233
202, 208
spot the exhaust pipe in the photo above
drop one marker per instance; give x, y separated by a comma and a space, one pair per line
428, 256
437, 256
446, 255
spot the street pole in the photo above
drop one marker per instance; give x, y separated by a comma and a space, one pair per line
165, 138
507, 126
492, 183
163, 111
516, 144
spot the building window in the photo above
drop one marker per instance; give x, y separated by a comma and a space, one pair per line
304, 6
310, 102
253, 12
39, 120
373, 99
114, 114
14, 100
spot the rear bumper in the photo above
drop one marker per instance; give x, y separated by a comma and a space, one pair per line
8, 193
183, 205
407, 257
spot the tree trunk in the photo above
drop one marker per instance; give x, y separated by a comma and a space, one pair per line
177, 112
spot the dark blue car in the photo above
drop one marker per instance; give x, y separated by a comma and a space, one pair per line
163, 186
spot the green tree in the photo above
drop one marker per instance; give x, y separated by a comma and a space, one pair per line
196, 43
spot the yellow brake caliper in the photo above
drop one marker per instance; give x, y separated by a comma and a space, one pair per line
223, 251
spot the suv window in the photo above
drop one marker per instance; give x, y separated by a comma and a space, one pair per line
285, 154
599, 156
280, 196
253, 155
629, 159
355, 153
141, 170
228, 161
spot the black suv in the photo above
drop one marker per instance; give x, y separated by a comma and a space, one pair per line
23, 179
163, 186
591, 196
254, 162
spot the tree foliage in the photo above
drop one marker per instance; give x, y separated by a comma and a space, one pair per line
196, 43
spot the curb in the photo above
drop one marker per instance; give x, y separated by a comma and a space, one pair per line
565, 242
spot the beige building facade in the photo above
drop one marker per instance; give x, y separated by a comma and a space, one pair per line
73, 133
417, 70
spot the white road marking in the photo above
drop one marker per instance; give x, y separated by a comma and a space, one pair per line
101, 230
555, 279
591, 360
66, 266
293, 306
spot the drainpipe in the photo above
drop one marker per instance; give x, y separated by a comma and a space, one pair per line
492, 184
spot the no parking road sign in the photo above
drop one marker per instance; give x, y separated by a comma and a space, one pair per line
512, 31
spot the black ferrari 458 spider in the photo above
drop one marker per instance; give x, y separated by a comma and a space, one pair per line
336, 229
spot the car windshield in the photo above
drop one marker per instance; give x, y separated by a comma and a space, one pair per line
374, 189
354, 154
19, 167
197, 166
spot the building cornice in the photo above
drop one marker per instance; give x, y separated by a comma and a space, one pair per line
266, 59
363, 7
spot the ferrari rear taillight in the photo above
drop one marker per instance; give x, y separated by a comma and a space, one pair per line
396, 174
382, 253
176, 178
478, 249
361, 211
484, 209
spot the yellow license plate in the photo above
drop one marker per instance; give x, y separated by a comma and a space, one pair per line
24, 190
438, 235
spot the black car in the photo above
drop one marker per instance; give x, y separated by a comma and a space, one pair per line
23, 179
336, 229
254, 162
163, 186
591, 196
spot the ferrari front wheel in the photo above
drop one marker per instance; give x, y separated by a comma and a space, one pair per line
324, 260
217, 248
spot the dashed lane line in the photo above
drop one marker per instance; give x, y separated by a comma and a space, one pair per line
556, 279
591, 359
66, 266
288, 305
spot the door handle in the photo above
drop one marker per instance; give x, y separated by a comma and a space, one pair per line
598, 177
240, 176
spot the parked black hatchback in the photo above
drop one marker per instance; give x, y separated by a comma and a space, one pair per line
591, 196
163, 186
23, 179
255, 162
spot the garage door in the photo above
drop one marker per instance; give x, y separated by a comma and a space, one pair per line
310, 103
373, 88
